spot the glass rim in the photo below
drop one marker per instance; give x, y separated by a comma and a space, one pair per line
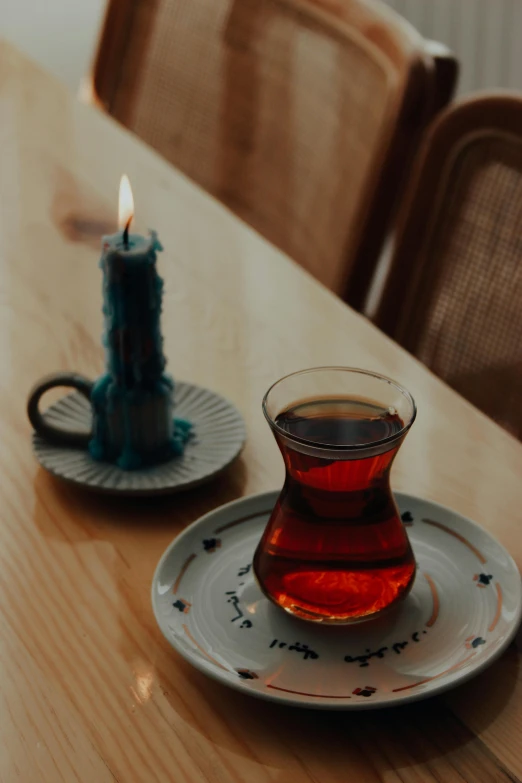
341, 447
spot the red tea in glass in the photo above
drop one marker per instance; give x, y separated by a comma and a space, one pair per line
335, 549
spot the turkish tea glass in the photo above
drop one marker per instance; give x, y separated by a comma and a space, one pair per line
335, 549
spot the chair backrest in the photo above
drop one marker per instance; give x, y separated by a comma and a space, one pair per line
454, 291
299, 115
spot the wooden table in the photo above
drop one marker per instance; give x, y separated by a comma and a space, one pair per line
89, 689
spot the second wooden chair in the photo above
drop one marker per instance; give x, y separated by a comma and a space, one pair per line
454, 292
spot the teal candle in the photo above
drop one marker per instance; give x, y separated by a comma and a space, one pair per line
133, 423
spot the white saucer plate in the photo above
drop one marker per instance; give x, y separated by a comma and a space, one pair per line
463, 611
219, 436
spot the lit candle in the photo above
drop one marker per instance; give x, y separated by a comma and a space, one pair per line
133, 422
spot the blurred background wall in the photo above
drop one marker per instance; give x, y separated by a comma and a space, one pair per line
485, 35
62, 34
58, 34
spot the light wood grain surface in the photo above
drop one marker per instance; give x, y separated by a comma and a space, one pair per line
89, 689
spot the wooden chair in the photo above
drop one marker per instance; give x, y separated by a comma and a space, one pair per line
300, 115
454, 292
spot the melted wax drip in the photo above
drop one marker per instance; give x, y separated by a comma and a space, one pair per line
133, 400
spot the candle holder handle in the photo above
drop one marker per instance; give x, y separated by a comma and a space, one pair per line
78, 438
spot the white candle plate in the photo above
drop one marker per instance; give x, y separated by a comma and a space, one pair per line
219, 436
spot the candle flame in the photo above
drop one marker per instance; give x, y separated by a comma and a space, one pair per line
126, 204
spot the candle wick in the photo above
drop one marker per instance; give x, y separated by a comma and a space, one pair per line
126, 234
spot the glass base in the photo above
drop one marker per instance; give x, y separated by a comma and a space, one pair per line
337, 597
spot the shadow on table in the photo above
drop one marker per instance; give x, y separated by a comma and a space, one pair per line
103, 513
429, 735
